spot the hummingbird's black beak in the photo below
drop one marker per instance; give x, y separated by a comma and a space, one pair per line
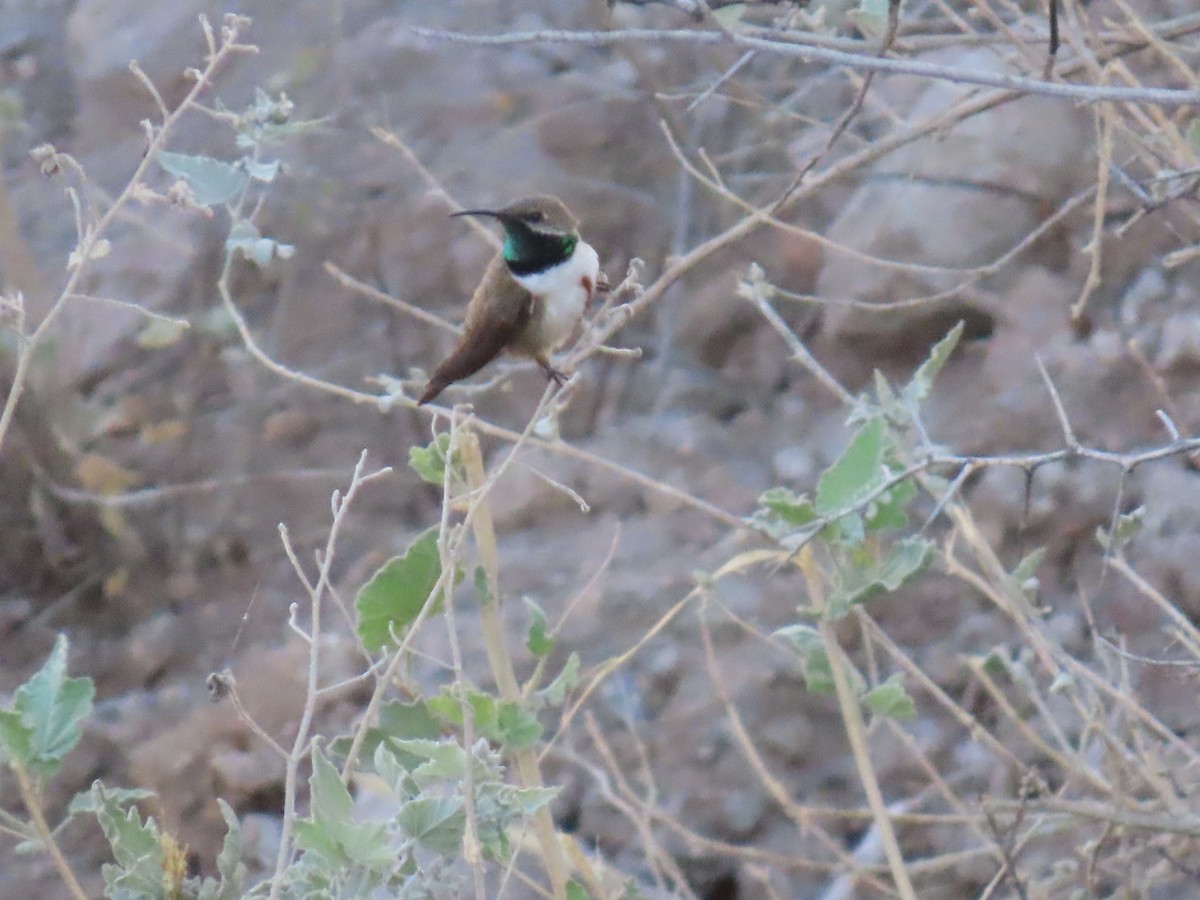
475, 212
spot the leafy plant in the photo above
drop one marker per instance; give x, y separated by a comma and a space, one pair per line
43, 725
40, 729
396, 594
848, 536
409, 850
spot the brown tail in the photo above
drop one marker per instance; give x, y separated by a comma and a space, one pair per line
435, 387
472, 354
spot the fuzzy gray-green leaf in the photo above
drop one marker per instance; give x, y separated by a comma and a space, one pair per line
814, 663
537, 641
792, 508
436, 823
211, 180
49, 708
858, 472
394, 596
856, 583
891, 699
922, 381
430, 461
1126, 529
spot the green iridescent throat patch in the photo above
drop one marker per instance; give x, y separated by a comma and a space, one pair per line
524, 245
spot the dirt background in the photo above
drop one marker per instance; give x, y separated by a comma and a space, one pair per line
160, 588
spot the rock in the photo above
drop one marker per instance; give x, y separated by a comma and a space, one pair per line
261, 834
1179, 348
957, 199
743, 811
164, 38
291, 427
1150, 286
36, 58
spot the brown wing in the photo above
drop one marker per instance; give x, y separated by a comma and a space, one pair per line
493, 323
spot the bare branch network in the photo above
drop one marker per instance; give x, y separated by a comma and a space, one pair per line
1115, 785
796, 46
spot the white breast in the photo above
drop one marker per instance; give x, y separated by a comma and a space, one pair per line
563, 292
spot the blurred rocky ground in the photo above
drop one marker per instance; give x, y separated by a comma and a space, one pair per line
158, 593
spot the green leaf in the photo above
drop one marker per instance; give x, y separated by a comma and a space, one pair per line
442, 760
132, 840
437, 823
395, 774
884, 393
918, 388
996, 663
556, 691
858, 472
856, 584
160, 333
44, 725
16, 739
55, 705
89, 801
537, 641
330, 801
1126, 529
530, 800
245, 238
366, 844
576, 891
269, 121
447, 707
814, 662
229, 860
397, 721
484, 709
889, 509
262, 171
730, 15
795, 509
211, 180
849, 530
1025, 574
494, 844
136, 846
891, 700
403, 720
395, 595
482, 590
1028, 565
331, 831
430, 461
313, 836
517, 728
502, 722
870, 17
231, 870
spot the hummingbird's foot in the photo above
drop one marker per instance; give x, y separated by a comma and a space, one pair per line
555, 375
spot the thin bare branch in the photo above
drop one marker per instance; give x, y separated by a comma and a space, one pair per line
867, 62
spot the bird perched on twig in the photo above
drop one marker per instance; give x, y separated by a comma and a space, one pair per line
532, 295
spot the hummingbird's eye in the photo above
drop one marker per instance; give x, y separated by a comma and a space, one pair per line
536, 216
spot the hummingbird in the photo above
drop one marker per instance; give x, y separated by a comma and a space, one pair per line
532, 295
